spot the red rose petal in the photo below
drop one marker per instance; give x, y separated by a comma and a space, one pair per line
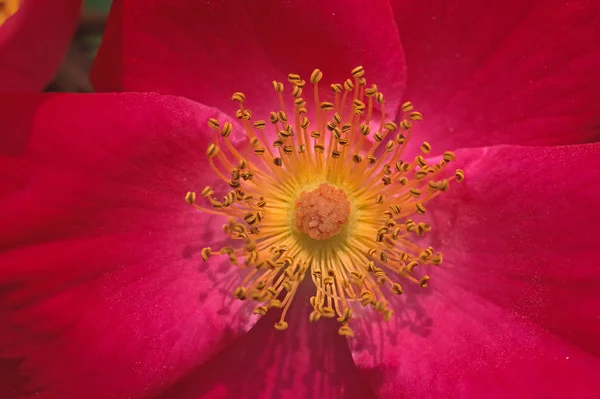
308, 360
103, 289
512, 311
208, 50
511, 72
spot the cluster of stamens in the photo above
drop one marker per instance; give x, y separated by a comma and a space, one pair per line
325, 201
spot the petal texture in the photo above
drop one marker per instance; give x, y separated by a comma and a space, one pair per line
512, 72
308, 360
513, 310
34, 41
103, 291
217, 48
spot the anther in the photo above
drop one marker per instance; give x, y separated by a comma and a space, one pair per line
207, 191
415, 116
212, 150
238, 97
294, 78
278, 86
296, 92
326, 106
357, 72
213, 123
345, 331
390, 126
315, 315
304, 123
425, 148
281, 325
348, 85
364, 129
316, 76
261, 310
240, 293
414, 192
190, 197
397, 289
419, 160
205, 253
407, 107
371, 91
449, 156
336, 88
227, 128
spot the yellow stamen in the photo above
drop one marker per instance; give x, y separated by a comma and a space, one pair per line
317, 204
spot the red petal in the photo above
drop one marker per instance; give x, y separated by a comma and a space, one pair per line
215, 49
103, 289
305, 361
512, 311
34, 41
511, 72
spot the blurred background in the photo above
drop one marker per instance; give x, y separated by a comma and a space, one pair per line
73, 75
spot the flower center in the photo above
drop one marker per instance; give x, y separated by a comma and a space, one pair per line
321, 213
324, 203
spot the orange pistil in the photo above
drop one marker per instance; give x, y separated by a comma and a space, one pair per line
321, 213
318, 203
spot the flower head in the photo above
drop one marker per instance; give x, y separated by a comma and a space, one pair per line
103, 291
322, 200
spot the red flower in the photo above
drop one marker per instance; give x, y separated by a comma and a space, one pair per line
34, 41
103, 293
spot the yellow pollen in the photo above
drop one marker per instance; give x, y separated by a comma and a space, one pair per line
328, 200
321, 213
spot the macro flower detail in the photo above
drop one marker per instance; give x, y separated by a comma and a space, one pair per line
323, 202
103, 290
